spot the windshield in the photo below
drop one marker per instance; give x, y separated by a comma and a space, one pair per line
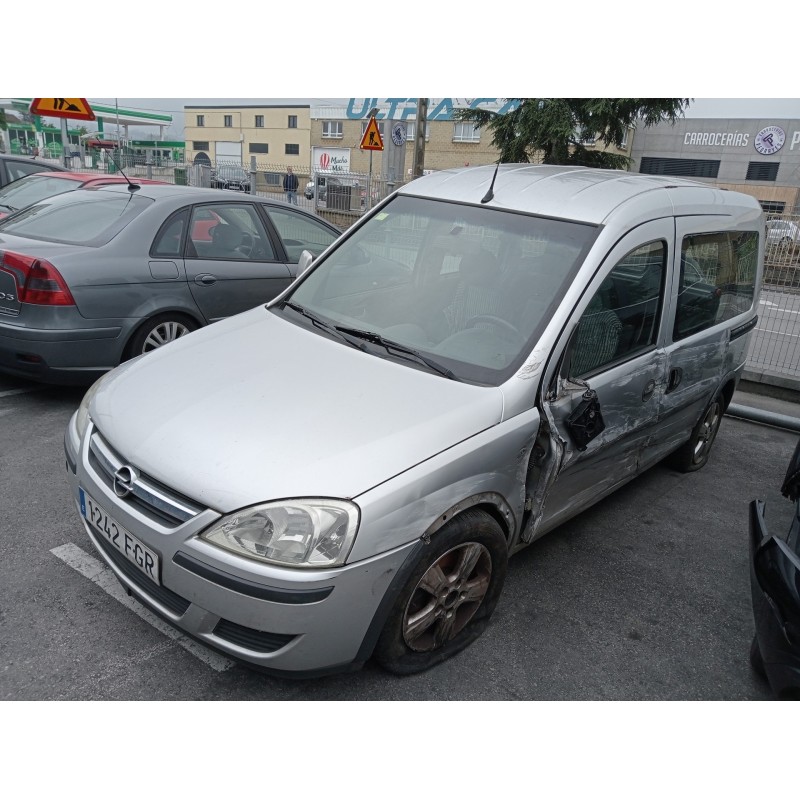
33, 188
82, 217
470, 288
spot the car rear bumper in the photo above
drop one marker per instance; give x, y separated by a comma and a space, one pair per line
68, 355
781, 656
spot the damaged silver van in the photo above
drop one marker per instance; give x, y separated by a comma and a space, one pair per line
343, 473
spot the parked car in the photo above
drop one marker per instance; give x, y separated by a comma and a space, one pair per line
41, 185
14, 167
775, 589
229, 177
311, 188
782, 231
95, 276
344, 473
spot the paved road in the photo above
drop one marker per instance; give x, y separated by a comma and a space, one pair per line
645, 596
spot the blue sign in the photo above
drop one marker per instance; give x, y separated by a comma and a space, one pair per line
439, 109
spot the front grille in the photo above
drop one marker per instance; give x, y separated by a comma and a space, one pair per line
174, 602
251, 639
147, 495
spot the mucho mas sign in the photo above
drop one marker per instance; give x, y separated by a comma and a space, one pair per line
330, 159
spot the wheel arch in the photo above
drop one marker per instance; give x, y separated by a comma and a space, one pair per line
494, 504
178, 311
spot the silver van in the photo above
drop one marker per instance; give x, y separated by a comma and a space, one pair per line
343, 473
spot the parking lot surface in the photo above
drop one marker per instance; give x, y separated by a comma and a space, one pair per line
643, 597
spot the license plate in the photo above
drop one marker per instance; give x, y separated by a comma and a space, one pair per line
127, 544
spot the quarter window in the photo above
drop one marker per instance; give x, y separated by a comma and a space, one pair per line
717, 280
168, 241
621, 320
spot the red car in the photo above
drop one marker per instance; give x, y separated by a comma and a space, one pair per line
40, 185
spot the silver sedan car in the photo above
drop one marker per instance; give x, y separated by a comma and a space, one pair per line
94, 277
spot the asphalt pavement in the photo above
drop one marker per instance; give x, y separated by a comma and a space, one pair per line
643, 597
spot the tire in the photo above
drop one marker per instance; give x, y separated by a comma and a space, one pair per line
158, 331
431, 619
756, 661
694, 454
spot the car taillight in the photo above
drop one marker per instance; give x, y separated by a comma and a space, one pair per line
39, 282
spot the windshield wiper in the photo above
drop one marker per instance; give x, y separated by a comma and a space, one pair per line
315, 320
10, 208
376, 338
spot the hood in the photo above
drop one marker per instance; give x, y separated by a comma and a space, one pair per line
256, 408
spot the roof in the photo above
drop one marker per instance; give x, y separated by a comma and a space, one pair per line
580, 193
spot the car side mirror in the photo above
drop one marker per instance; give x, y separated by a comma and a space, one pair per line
305, 261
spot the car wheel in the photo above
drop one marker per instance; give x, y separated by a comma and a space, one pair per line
694, 454
448, 598
756, 661
158, 331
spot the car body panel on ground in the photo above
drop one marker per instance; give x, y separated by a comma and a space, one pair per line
483, 356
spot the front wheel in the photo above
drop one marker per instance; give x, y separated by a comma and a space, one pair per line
694, 454
449, 596
158, 331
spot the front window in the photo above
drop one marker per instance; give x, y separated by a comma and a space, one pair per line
90, 221
467, 287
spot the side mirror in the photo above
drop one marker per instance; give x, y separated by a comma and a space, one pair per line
306, 260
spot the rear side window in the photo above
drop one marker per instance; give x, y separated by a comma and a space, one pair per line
76, 220
717, 280
167, 243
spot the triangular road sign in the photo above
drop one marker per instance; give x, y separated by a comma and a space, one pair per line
69, 107
371, 140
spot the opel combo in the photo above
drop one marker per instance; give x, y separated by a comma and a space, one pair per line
343, 472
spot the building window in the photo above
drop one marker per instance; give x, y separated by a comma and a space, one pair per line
292, 121
332, 130
466, 132
273, 178
259, 147
259, 120
200, 145
411, 132
772, 206
201, 120
228, 120
687, 167
762, 171
624, 143
292, 149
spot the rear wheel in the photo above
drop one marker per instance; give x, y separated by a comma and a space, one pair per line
449, 596
694, 454
158, 331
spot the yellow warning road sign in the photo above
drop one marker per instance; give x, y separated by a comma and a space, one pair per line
69, 107
371, 140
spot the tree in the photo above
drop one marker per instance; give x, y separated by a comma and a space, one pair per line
557, 130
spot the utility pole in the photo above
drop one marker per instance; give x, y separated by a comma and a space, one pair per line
419, 143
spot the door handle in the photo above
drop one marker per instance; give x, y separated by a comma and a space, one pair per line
648, 390
205, 280
675, 377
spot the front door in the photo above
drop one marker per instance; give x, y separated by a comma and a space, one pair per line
615, 352
231, 263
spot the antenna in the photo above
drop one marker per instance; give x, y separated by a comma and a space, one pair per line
132, 187
490, 194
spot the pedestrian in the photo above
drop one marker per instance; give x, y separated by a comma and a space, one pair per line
290, 184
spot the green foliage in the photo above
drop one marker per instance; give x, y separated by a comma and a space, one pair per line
557, 130
3, 121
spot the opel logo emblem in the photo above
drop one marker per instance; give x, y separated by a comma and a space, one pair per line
124, 479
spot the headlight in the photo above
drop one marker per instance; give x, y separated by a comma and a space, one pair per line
314, 532
82, 420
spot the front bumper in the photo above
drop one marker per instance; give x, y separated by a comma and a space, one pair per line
282, 620
779, 652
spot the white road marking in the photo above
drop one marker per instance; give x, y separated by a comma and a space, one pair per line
782, 333
102, 576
